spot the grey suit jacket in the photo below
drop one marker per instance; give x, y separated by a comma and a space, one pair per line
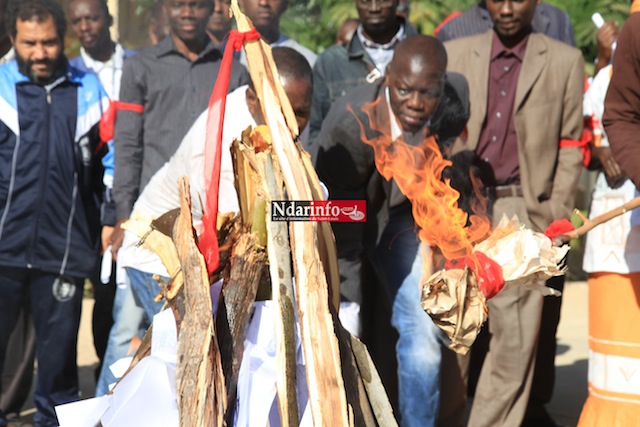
548, 109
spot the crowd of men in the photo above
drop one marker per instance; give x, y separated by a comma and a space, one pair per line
87, 143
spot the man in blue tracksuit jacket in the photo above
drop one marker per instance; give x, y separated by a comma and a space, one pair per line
50, 182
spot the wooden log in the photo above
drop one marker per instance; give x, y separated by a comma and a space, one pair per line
200, 386
319, 342
326, 239
258, 168
320, 345
238, 294
282, 293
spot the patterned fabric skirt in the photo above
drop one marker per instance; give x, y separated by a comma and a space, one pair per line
614, 351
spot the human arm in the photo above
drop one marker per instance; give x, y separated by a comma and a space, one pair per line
605, 37
602, 157
569, 160
128, 149
621, 117
128, 141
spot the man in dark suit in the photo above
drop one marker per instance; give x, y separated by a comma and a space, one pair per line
403, 104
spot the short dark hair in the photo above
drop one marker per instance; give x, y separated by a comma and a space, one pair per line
292, 64
38, 10
102, 3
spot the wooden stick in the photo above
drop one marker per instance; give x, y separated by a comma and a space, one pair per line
279, 252
589, 224
200, 383
327, 397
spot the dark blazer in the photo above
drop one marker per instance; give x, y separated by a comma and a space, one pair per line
346, 166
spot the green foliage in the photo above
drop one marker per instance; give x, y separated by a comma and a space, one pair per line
580, 12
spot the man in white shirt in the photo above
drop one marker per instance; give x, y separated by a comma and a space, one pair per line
161, 194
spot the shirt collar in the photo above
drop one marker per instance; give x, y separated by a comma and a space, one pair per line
167, 46
373, 45
498, 49
396, 129
116, 60
282, 39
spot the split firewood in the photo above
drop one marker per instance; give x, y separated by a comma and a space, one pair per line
320, 345
279, 252
200, 386
252, 157
236, 304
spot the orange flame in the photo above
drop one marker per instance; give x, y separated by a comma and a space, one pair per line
417, 170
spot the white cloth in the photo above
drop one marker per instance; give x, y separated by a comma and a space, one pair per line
105, 270
9, 56
615, 245
256, 398
109, 73
161, 194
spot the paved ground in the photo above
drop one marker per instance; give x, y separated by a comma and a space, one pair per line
571, 361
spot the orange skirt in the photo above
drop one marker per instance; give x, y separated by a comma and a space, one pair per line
614, 351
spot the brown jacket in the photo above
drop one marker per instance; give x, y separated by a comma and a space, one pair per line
548, 109
622, 106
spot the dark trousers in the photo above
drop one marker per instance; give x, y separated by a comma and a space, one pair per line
17, 374
102, 319
55, 310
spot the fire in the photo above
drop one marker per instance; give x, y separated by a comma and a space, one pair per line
417, 170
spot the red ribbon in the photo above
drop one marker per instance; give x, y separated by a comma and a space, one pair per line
107, 123
208, 242
583, 145
559, 227
488, 272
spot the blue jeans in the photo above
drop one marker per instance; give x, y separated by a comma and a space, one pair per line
129, 320
397, 260
145, 288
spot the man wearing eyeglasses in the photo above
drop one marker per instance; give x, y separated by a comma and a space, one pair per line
170, 83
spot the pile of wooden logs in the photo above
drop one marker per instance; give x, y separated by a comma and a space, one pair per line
292, 263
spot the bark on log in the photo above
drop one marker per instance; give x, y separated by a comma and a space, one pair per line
320, 345
199, 378
238, 294
282, 293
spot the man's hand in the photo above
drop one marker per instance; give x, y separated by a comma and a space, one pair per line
605, 37
612, 170
105, 237
117, 236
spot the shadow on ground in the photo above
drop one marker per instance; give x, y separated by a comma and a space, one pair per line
570, 393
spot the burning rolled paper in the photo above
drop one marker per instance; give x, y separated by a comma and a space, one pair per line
513, 255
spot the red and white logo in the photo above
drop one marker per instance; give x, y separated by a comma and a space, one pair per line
319, 210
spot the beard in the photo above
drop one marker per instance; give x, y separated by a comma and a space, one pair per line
25, 66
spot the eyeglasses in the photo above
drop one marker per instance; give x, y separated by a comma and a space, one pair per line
193, 5
369, 3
